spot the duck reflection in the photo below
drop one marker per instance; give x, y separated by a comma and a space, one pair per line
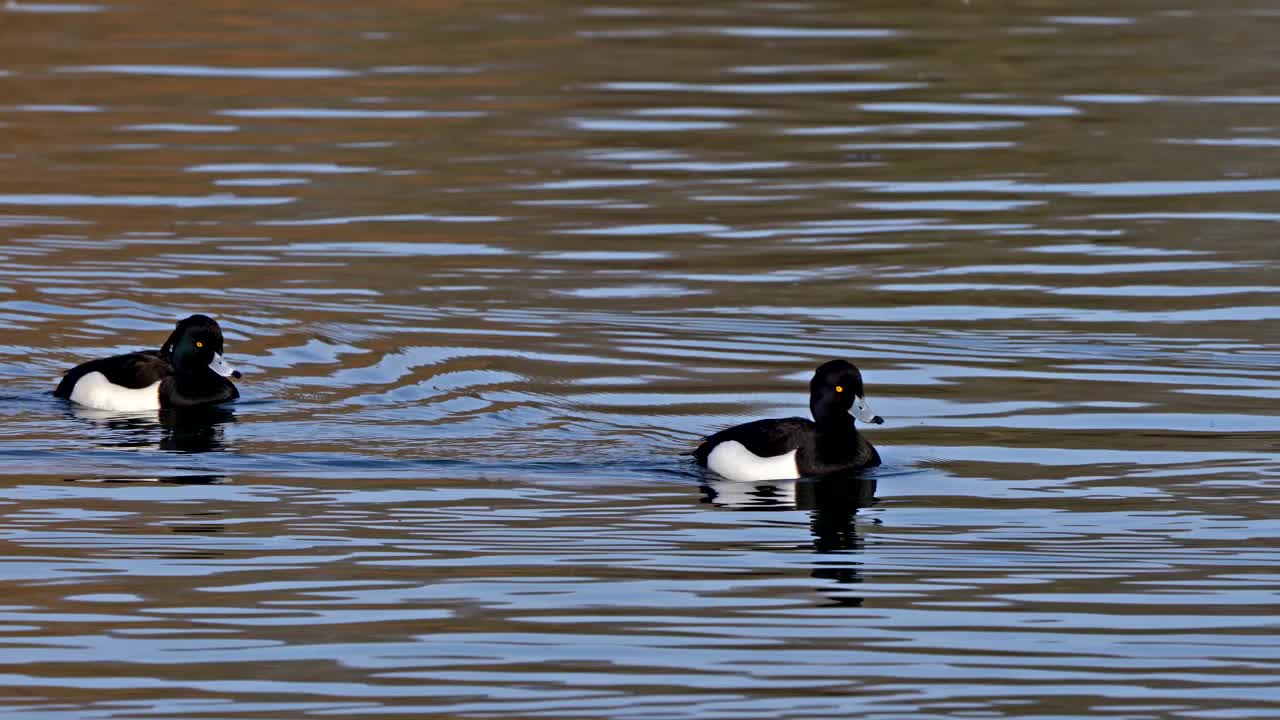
832, 502
187, 430
195, 430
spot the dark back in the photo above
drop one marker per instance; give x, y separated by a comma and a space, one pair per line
132, 370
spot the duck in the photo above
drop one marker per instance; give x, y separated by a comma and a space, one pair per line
795, 447
187, 371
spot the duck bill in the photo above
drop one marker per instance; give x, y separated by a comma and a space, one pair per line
222, 367
862, 412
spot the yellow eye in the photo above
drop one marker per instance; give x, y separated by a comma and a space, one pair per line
839, 389
199, 344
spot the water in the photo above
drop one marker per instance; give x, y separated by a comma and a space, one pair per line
491, 269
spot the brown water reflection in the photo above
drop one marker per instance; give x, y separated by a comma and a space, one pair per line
492, 268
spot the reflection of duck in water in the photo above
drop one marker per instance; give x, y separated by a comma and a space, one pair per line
832, 501
839, 492
195, 430
790, 448
187, 371
189, 430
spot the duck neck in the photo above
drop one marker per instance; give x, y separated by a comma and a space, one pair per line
830, 416
194, 373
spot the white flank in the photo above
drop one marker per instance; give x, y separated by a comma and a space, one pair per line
732, 460
95, 391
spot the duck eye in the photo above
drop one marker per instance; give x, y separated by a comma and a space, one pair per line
199, 344
839, 389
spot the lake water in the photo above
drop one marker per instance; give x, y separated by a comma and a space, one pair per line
490, 269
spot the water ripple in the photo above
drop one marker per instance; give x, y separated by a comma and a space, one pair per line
491, 274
